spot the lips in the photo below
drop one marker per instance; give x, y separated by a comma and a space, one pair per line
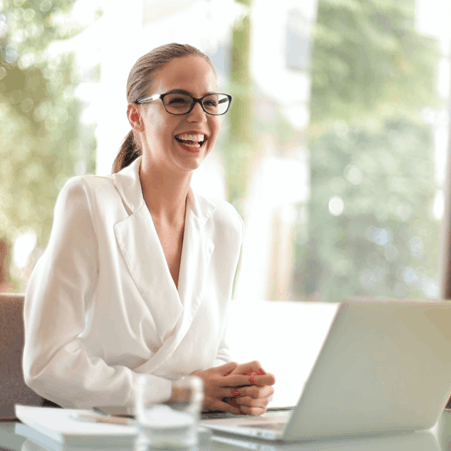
192, 141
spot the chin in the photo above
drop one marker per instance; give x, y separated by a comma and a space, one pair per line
192, 167
193, 162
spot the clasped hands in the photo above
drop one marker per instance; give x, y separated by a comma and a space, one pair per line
237, 389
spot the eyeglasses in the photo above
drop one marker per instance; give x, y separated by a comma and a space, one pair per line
177, 103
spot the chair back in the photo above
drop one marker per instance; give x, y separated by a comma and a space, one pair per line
13, 389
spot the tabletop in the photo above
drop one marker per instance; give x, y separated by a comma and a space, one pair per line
437, 438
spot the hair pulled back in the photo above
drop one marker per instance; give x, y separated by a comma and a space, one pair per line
140, 79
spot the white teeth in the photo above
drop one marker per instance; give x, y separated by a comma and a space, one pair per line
193, 145
188, 137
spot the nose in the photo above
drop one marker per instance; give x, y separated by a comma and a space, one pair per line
197, 114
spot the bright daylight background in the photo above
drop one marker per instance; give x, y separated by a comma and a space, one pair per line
334, 151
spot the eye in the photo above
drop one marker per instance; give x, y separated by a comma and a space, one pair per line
210, 102
177, 101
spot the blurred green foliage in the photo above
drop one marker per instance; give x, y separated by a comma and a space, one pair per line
38, 112
240, 146
370, 62
372, 153
242, 143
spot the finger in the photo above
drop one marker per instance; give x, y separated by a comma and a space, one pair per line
256, 391
235, 380
225, 407
254, 366
226, 368
239, 380
233, 403
267, 379
228, 392
253, 410
248, 401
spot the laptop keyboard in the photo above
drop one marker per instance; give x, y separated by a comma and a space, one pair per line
274, 426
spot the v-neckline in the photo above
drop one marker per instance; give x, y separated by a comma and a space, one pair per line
188, 203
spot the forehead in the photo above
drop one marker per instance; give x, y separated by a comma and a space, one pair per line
191, 73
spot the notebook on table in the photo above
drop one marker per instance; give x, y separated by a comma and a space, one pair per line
385, 367
66, 428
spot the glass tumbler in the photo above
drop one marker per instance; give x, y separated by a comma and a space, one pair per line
172, 424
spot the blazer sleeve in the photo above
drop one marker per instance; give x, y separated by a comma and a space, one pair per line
237, 230
223, 354
55, 363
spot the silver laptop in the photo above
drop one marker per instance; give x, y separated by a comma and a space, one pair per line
385, 367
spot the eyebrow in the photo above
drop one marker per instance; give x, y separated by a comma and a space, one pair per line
182, 91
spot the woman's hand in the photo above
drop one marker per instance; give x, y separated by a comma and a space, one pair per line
221, 382
254, 396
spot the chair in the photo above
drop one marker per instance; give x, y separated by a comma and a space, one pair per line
13, 389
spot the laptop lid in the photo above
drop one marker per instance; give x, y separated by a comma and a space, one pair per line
384, 367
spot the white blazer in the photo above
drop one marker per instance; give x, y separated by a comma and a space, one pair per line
101, 305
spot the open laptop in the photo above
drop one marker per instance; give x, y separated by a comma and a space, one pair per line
385, 367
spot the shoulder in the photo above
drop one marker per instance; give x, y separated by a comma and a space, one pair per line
224, 215
89, 181
87, 187
88, 196
227, 212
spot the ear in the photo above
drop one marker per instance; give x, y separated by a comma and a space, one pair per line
134, 116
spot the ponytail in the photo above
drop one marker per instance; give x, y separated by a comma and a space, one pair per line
129, 152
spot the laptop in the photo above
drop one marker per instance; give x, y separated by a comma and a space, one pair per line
384, 368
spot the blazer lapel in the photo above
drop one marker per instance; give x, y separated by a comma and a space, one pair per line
141, 248
138, 240
140, 245
197, 251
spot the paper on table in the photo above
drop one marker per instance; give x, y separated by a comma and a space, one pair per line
37, 441
62, 426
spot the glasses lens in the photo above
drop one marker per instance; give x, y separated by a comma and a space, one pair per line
216, 103
177, 103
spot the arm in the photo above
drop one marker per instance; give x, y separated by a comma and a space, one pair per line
238, 233
62, 286
223, 354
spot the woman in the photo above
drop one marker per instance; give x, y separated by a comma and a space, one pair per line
138, 272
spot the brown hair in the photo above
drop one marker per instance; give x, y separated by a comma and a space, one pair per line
139, 81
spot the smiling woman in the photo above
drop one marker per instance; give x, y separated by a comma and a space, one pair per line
142, 79
138, 273
158, 131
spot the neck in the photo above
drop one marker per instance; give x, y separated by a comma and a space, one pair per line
164, 193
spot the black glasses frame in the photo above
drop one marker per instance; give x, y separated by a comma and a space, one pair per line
195, 100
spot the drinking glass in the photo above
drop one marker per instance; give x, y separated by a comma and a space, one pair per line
172, 424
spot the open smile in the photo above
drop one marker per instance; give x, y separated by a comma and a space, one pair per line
192, 142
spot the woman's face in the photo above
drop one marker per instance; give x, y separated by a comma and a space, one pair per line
163, 131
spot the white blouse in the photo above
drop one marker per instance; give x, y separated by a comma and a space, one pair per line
101, 305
